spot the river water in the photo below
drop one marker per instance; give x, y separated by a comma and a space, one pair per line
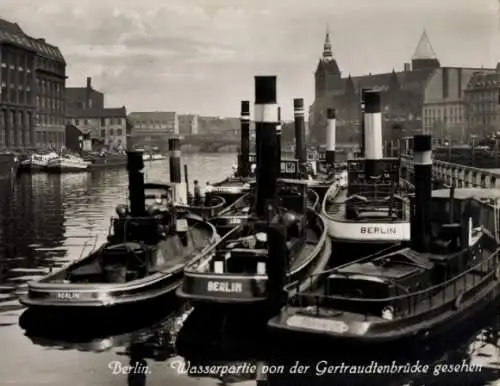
49, 220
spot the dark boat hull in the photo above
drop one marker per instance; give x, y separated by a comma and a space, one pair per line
90, 284
8, 165
428, 332
236, 290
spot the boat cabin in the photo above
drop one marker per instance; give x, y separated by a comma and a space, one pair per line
374, 197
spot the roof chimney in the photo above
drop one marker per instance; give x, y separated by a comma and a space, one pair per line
89, 82
407, 67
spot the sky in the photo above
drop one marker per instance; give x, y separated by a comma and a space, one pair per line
200, 56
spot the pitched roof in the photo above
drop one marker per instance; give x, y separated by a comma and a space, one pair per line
11, 33
157, 116
408, 80
482, 80
108, 112
424, 48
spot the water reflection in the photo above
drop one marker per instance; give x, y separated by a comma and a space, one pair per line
148, 338
49, 220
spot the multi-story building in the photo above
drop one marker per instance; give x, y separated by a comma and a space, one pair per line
32, 81
188, 124
106, 125
152, 129
444, 113
482, 97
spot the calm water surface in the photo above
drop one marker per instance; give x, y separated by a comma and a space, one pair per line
48, 220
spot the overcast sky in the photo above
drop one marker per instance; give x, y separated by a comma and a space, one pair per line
200, 56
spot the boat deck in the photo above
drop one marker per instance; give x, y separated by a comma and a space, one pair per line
412, 306
336, 210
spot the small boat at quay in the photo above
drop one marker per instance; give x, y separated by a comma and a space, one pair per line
36, 162
407, 295
234, 271
142, 261
371, 211
67, 163
240, 210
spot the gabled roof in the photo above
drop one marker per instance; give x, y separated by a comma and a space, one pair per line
11, 33
424, 48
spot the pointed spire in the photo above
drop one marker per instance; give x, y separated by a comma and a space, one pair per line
327, 47
424, 48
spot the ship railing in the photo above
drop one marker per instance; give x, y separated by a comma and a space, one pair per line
396, 207
449, 293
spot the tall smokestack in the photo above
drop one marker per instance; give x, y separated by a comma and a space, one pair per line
244, 163
421, 220
266, 115
331, 127
174, 149
300, 135
362, 120
278, 141
373, 132
135, 168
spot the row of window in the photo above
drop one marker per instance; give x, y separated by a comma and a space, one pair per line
483, 107
47, 86
155, 125
481, 95
103, 121
48, 119
15, 118
430, 121
49, 138
53, 104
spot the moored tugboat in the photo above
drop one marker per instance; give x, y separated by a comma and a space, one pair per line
142, 261
371, 211
235, 272
36, 162
449, 275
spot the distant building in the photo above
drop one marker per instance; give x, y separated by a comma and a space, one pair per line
152, 129
107, 125
218, 125
188, 124
483, 103
402, 95
32, 79
83, 98
445, 102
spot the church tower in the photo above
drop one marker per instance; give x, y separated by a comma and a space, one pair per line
424, 56
327, 72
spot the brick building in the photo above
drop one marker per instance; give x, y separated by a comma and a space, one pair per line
152, 129
83, 98
482, 97
402, 94
106, 125
85, 110
32, 81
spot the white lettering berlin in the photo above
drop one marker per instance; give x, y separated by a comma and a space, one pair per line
223, 286
117, 368
379, 230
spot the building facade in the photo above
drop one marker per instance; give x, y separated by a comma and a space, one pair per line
402, 95
152, 129
32, 81
106, 125
188, 124
83, 98
482, 97
445, 104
